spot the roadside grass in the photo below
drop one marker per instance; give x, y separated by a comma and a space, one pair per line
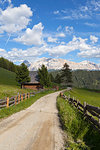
80, 134
5, 112
85, 95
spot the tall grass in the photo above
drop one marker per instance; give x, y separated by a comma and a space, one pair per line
80, 134
89, 96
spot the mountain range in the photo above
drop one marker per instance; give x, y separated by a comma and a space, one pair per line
57, 64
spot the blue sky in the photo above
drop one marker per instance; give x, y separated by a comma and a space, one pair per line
68, 29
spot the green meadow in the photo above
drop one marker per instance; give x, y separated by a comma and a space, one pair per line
84, 95
8, 85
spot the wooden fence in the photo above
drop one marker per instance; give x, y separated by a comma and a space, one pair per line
16, 99
90, 112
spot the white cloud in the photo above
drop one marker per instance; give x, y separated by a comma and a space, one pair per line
2, 50
94, 52
88, 11
14, 19
32, 36
60, 34
59, 28
56, 12
69, 29
63, 43
93, 38
53, 40
85, 49
4, 1
63, 48
95, 4
91, 24
9, 1
19, 55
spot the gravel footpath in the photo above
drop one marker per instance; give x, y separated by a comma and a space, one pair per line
36, 128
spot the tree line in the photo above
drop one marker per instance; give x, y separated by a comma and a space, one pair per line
22, 72
86, 79
47, 79
6, 64
65, 77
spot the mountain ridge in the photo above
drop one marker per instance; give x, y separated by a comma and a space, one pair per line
57, 64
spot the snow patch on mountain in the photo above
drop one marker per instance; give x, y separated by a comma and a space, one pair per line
57, 64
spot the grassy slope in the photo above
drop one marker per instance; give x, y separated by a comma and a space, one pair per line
7, 77
80, 134
89, 96
5, 112
8, 84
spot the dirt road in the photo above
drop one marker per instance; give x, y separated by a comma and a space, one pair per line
36, 128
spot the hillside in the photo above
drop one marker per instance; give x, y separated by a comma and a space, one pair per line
83, 78
7, 77
86, 79
8, 85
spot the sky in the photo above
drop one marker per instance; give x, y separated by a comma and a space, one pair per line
32, 29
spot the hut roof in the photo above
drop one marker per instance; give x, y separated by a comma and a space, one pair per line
34, 77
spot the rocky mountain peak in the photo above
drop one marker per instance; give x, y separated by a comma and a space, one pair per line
56, 64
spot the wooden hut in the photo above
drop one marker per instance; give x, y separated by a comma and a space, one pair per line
34, 83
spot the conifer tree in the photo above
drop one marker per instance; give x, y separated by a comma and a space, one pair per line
44, 76
66, 74
22, 74
58, 78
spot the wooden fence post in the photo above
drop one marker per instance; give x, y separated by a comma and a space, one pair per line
18, 99
77, 104
26, 95
7, 102
22, 97
15, 100
85, 112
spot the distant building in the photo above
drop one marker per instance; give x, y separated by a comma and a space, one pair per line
34, 83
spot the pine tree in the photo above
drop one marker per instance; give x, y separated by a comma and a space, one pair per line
51, 77
58, 78
66, 75
44, 76
22, 74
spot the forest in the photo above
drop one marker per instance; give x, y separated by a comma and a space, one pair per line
86, 79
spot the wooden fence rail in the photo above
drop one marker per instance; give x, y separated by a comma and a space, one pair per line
90, 112
16, 99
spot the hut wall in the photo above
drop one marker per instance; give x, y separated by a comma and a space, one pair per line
34, 87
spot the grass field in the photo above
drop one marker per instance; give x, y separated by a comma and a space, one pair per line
8, 85
7, 77
80, 135
5, 112
89, 96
